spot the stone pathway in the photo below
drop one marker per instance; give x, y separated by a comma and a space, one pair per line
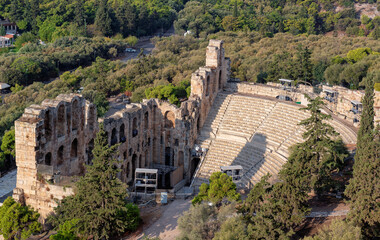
7, 184
328, 214
166, 226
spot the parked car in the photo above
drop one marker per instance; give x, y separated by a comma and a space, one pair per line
130, 50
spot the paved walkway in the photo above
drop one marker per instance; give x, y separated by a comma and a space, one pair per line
166, 226
7, 184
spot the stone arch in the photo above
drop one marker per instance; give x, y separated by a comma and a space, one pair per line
128, 169
220, 79
134, 127
113, 136
122, 133
75, 109
168, 156
146, 159
91, 118
180, 158
47, 124
74, 149
61, 121
146, 120
169, 119
134, 165
208, 85
90, 155
48, 159
60, 155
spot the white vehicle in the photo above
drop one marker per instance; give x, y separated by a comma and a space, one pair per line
130, 50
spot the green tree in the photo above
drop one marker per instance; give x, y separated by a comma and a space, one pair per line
364, 188
16, 88
338, 230
303, 64
221, 186
274, 211
2, 31
103, 20
8, 143
17, 221
311, 163
66, 231
100, 200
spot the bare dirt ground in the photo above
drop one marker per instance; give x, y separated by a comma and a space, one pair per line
161, 221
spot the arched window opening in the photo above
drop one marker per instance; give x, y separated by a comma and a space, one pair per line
146, 120
199, 124
47, 125
134, 128
48, 159
122, 133
61, 121
180, 158
168, 156
146, 159
128, 170
91, 118
134, 164
76, 115
125, 155
208, 86
220, 79
169, 120
60, 156
74, 149
140, 161
90, 155
113, 137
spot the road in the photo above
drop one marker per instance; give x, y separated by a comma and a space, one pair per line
7, 184
166, 226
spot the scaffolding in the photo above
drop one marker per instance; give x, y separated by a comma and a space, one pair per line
146, 180
287, 84
235, 171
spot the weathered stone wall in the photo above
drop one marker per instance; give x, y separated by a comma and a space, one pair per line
51, 141
54, 140
207, 81
342, 106
268, 90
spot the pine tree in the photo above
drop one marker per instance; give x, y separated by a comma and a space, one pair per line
274, 211
364, 188
304, 67
236, 12
99, 202
103, 20
79, 11
312, 162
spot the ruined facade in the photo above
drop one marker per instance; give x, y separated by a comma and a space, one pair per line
54, 140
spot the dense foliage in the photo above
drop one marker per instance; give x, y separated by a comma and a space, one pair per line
7, 153
270, 17
338, 229
311, 164
364, 188
221, 186
17, 221
41, 62
52, 19
99, 202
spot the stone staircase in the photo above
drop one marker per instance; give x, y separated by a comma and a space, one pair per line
255, 133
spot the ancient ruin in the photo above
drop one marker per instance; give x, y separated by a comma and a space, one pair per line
239, 123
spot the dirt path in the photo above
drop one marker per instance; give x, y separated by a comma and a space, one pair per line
7, 184
166, 227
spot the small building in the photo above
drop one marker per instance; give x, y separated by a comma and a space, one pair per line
7, 40
330, 95
4, 88
146, 180
287, 84
235, 171
10, 28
